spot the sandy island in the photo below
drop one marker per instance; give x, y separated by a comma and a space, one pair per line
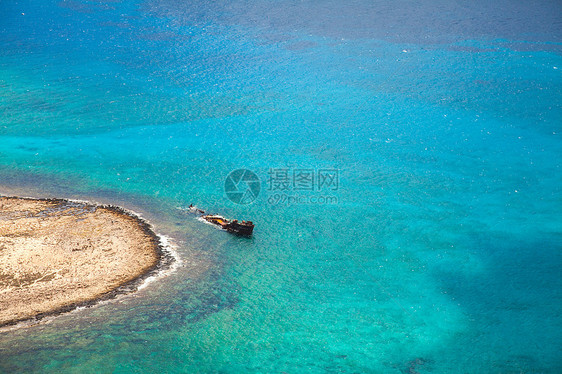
57, 255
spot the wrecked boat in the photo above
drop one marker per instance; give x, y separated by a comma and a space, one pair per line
242, 228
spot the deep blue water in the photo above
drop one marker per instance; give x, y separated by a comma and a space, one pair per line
439, 248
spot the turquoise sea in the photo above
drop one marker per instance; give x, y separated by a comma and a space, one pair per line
408, 154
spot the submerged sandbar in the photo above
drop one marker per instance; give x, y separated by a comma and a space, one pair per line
56, 255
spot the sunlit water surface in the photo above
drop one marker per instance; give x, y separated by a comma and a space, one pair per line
439, 248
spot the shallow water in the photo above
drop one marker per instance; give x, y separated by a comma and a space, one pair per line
438, 249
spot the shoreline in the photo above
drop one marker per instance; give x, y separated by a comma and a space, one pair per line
161, 251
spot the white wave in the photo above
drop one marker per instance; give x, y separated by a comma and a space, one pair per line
170, 247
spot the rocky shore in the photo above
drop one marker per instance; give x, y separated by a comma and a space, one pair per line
57, 255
